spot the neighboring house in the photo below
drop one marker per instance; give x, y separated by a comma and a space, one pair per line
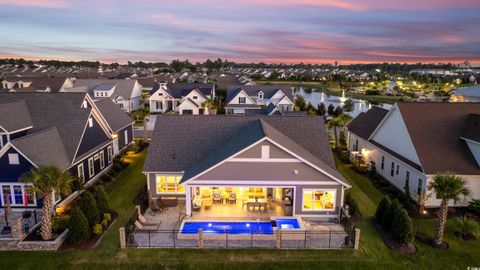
246, 157
36, 84
181, 98
127, 94
468, 94
259, 99
69, 131
412, 142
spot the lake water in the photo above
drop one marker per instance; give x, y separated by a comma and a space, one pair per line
316, 97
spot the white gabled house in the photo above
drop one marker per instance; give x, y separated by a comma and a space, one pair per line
259, 99
412, 142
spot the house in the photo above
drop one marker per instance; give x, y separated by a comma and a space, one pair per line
248, 158
125, 93
412, 142
36, 84
69, 131
467, 94
259, 99
184, 98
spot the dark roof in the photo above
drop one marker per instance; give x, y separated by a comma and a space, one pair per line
115, 117
40, 83
174, 149
472, 128
124, 88
253, 90
366, 122
14, 115
435, 130
60, 110
179, 90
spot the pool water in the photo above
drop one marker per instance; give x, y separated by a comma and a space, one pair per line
230, 227
287, 223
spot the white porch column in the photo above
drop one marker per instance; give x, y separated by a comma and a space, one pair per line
188, 201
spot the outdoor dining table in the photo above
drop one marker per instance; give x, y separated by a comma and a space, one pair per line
256, 202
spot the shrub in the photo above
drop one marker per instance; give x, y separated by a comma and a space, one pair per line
382, 207
390, 213
78, 227
60, 223
104, 223
98, 229
352, 203
467, 228
101, 198
372, 92
89, 208
107, 216
141, 146
474, 205
77, 184
402, 228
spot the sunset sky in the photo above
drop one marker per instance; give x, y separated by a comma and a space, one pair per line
314, 31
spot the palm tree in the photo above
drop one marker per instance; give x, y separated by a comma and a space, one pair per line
335, 123
344, 119
447, 186
46, 180
207, 105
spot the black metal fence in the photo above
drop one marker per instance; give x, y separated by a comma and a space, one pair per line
302, 239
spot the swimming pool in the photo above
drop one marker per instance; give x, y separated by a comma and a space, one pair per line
221, 227
287, 223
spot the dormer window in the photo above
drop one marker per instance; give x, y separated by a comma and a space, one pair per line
260, 95
242, 100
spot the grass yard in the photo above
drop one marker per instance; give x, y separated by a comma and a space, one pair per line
372, 254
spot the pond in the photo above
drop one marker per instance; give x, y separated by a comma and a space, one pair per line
316, 97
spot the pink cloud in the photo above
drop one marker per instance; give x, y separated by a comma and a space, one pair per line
35, 3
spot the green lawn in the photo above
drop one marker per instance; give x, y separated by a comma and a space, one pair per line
372, 253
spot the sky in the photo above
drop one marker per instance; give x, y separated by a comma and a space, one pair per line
272, 31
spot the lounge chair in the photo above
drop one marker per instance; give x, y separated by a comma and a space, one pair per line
141, 227
232, 198
142, 220
197, 205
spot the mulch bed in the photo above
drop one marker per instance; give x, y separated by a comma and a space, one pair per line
35, 235
405, 249
93, 241
427, 240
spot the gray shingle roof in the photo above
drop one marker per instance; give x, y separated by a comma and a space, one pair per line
174, 149
366, 122
14, 115
44, 148
123, 88
179, 90
40, 83
115, 117
472, 128
253, 90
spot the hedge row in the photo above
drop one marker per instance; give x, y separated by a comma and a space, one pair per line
395, 220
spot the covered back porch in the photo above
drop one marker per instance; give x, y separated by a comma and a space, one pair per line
238, 202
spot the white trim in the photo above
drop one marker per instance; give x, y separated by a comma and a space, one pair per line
468, 140
91, 154
15, 131
102, 159
9, 144
235, 97
257, 183
83, 172
91, 167
109, 154
269, 160
22, 185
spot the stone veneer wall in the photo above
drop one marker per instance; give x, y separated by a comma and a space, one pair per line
18, 243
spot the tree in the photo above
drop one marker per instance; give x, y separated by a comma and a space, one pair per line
207, 105
390, 213
344, 119
89, 208
46, 181
321, 109
331, 109
447, 186
101, 198
382, 207
334, 124
338, 111
78, 227
348, 105
402, 228
300, 103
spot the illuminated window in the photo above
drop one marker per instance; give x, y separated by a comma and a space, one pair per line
169, 184
319, 200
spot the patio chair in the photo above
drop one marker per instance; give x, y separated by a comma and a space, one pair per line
207, 204
142, 220
233, 198
217, 198
197, 205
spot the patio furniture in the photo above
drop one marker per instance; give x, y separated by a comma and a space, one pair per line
207, 204
197, 204
141, 227
225, 197
217, 198
142, 220
232, 198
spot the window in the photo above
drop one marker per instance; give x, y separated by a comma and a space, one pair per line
6, 194
91, 168
81, 173
383, 162
398, 169
30, 195
407, 176
195, 97
242, 100
158, 105
109, 153
13, 159
420, 186
125, 133
355, 147
169, 184
102, 160
18, 194
392, 169
260, 95
319, 200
